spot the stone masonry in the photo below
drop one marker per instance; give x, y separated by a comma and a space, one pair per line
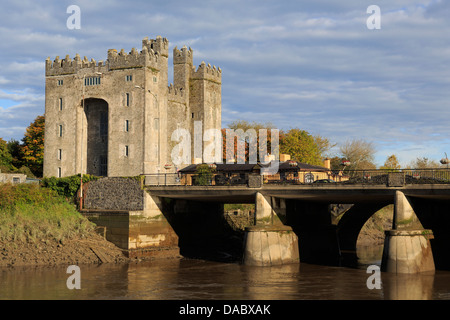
117, 117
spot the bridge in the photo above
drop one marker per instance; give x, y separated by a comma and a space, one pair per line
315, 222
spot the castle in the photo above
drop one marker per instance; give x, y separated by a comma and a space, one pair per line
116, 117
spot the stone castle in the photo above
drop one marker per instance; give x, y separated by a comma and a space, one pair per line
116, 117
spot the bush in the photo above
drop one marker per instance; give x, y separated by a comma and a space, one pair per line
204, 175
67, 186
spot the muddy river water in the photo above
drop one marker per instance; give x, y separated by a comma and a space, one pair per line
190, 279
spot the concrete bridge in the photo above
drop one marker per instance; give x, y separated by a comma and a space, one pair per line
296, 223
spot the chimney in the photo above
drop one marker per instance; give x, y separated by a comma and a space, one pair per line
327, 163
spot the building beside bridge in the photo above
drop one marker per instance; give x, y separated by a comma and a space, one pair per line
289, 171
117, 117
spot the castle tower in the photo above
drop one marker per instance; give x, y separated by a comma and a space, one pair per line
116, 117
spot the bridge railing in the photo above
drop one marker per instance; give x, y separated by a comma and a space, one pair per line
178, 179
398, 177
371, 177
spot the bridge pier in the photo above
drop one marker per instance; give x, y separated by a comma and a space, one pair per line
407, 247
270, 242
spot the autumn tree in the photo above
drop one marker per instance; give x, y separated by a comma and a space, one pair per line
391, 163
250, 130
33, 146
299, 144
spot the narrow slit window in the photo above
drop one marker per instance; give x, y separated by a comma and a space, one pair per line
60, 104
59, 154
60, 130
127, 151
127, 125
59, 172
127, 100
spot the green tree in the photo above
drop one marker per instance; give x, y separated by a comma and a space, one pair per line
204, 175
15, 149
324, 145
301, 146
33, 146
5, 156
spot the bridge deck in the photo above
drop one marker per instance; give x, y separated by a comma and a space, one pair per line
331, 193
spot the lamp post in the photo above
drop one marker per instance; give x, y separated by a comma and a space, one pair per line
345, 164
445, 160
83, 85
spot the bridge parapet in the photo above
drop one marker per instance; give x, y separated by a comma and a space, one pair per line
389, 178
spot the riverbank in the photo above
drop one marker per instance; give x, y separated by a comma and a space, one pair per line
40, 227
91, 249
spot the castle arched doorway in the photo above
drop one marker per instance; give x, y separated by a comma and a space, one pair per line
96, 136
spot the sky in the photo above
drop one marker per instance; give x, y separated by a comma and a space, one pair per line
313, 65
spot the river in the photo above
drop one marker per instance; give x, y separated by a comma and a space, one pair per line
190, 279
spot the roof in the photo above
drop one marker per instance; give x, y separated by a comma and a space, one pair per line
300, 166
225, 167
247, 167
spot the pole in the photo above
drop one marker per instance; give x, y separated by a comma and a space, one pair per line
81, 156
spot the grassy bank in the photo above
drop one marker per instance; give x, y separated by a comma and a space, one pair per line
29, 212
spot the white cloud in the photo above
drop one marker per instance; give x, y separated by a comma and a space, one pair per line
311, 64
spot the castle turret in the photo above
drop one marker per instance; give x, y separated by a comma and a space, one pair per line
182, 67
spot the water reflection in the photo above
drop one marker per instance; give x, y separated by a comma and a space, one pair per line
198, 279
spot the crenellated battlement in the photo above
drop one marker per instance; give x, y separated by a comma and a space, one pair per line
176, 94
206, 72
150, 55
183, 56
69, 66
133, 59
159, 45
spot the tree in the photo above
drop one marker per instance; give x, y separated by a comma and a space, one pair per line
301, 146
423, 163
15, 149
33, 146
246, 127
5, 156
360, 153
204, 175
324, 145
391, 163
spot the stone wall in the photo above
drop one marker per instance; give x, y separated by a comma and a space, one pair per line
114, 194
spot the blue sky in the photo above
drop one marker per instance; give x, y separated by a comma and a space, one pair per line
312, 65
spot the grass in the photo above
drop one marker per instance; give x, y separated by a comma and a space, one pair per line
29, 212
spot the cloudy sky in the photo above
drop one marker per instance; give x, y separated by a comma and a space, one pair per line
313, 65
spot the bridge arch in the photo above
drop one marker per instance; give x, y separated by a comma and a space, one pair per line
352, 222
